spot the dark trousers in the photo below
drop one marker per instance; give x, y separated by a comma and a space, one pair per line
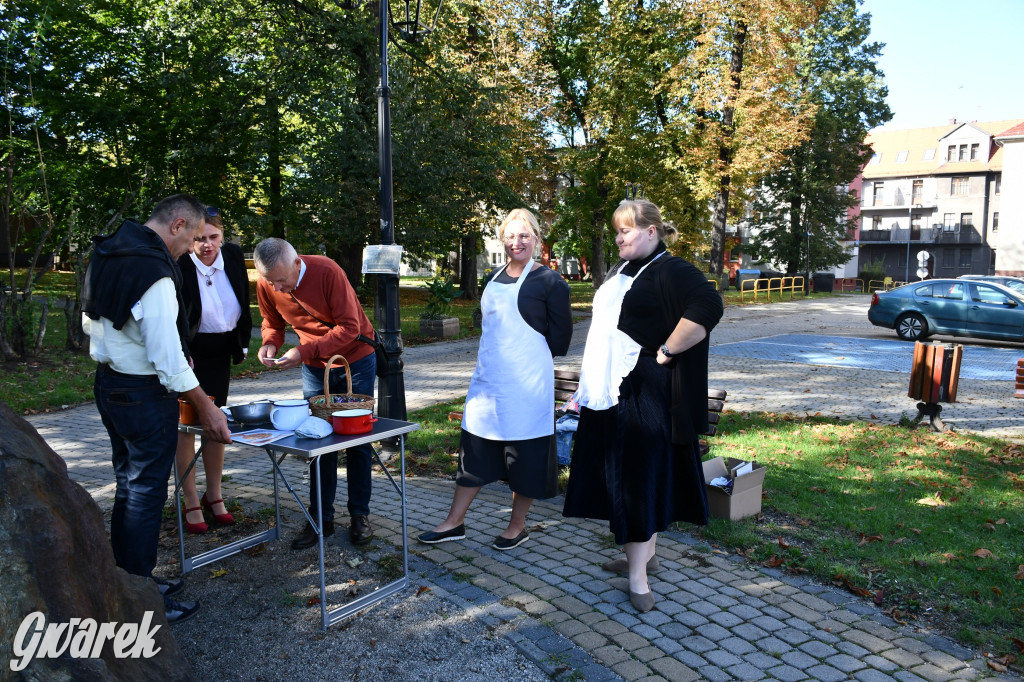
323, 483
141, 418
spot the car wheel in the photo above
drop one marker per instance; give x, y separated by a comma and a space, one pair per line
911, 327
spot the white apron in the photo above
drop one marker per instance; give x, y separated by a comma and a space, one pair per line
512, 392
609, 354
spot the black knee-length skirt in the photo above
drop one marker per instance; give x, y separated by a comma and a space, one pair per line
625, 468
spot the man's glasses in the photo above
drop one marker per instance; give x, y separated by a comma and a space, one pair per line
212, 211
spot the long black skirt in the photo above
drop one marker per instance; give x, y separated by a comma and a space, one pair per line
625, 468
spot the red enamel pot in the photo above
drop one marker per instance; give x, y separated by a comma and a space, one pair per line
352, 422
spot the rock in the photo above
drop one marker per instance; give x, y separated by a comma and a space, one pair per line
55, 558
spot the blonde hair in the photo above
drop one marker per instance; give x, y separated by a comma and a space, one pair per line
643, 213
520, 215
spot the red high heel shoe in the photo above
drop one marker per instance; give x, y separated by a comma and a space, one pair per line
194, 528
225, 519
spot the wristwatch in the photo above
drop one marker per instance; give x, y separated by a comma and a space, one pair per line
664, 351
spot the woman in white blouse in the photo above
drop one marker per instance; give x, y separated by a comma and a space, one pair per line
215, 288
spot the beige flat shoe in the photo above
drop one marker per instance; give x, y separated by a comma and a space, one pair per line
642, 602
622, 565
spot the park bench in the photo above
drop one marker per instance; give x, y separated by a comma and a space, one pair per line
1019, 388
568, 380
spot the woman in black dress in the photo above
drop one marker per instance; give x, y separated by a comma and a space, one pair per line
215, 287
643, 396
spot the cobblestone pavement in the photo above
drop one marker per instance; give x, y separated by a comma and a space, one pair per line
716, 617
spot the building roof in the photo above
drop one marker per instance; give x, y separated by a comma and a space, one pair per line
915, 142
1015, 131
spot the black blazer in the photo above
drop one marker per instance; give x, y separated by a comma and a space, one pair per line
234, 268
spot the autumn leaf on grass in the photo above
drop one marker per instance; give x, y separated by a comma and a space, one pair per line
865, 539
996, 591
984, 554
1018, 643
774, 561
422, 589
219, 573
932, 501
878, 597
1020, 573
863, 509
782, 543
998, 667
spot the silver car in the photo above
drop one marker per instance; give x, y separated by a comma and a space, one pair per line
957, 307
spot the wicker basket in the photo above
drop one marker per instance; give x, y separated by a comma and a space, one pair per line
327, 407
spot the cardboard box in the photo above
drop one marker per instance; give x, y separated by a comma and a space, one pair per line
745, 499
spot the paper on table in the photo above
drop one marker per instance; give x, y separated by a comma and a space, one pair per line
259, 436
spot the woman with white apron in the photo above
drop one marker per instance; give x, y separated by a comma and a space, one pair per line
508, 425
643, 397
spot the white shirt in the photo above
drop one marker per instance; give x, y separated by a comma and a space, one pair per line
148, 343
221, 309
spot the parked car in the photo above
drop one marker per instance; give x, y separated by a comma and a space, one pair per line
1015, 283
957, 307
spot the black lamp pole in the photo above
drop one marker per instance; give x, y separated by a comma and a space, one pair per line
391, 386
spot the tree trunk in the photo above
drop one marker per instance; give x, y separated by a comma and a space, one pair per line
467, 269
350, 258
725, 151
794, 232
274, 168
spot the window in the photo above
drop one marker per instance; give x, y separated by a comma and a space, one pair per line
995, 221
901, 157
915, 193
951, 153
929, 154
999, 182
958, 186
949, 222
953, 291
876, 222
876, 157
974, 152
963, 153
915, 226
947, 258
986, 294
966, 220
877, 197
965, 258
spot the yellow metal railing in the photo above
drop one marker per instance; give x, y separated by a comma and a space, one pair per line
768, 285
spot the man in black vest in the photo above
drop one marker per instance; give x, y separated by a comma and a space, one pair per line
136, 324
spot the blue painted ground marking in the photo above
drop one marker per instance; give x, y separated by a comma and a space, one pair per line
987, 364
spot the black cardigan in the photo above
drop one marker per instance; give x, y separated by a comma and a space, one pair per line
234, 268
671, 289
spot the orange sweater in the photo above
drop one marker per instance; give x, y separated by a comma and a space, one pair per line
325, 292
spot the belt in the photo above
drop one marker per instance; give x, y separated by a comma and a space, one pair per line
102, 368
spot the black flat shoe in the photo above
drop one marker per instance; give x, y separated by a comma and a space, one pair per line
179, 611
435, 536
503, 544
360, 531
307, 538
169, 587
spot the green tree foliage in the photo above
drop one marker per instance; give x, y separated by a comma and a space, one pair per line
806, 193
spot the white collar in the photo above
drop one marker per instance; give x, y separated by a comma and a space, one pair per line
208, 270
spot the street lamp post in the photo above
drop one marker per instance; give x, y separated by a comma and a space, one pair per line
391, 386
807, 282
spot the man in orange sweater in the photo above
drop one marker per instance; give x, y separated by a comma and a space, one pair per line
313, 295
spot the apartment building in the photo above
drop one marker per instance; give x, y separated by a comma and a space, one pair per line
937, 193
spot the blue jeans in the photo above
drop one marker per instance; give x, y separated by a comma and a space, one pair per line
141, 418
359, 460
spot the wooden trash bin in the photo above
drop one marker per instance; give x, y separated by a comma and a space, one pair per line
934, 376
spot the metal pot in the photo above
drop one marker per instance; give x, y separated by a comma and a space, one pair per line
251, 413
352, 422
